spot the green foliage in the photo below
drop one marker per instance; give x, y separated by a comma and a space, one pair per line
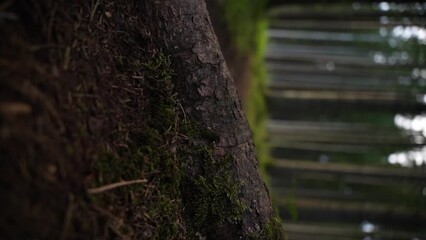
255, 109
247, 24
292, 207
242, 18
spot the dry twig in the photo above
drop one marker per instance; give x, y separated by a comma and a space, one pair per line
114, 185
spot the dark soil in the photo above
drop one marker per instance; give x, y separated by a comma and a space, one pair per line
85, 100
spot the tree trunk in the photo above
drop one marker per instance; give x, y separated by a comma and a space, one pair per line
184, 29
326, 211
99, 140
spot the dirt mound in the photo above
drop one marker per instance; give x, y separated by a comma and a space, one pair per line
85, 101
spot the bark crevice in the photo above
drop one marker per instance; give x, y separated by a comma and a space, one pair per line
199, 65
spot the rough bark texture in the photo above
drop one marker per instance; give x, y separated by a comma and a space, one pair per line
202, 76
87, 99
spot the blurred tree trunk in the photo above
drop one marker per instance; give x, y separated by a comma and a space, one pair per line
355, 212
276, 3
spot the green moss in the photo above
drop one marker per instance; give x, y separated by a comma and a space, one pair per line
211, 195
158, 153
242, 18
217, 193
148, 155
110, 168
272, 231
214, 195
193, 130
159, 86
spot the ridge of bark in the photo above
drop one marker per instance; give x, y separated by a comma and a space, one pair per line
201, 75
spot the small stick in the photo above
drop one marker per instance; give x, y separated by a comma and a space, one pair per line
184, 114
114, 185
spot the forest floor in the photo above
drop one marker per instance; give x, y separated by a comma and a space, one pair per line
90, 125
87, 101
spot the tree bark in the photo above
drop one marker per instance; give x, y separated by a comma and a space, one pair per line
184, 29
99, 140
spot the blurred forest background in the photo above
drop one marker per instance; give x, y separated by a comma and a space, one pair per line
335, 93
